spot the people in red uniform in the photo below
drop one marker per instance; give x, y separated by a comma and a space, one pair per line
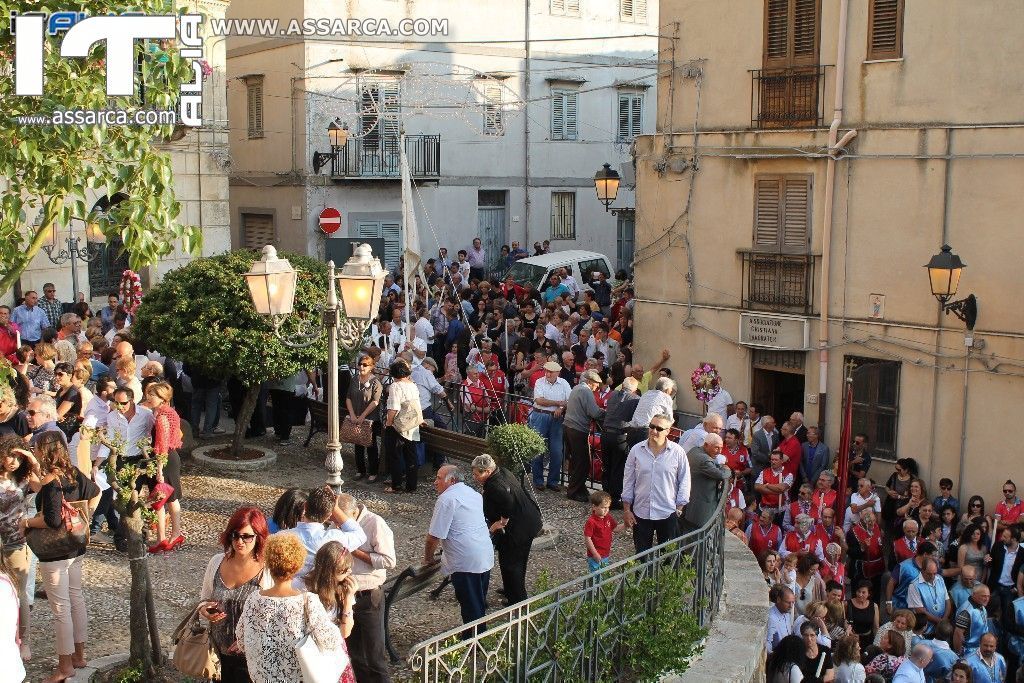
802, 539
8, 335
773, 485
865, 550
765, 534
800, 506
824, 495
791, 448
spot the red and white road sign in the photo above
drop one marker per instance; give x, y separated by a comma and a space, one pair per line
330, 220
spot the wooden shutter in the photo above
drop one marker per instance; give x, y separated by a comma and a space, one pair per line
640, 11
791, 33
885, 29
782, 213
493, 123
257, 230
558, 6
254, 105
796, 214
572, 7
767, 213
570, 116
392, 234
630, 115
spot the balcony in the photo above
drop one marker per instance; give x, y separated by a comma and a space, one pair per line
782, 283
377, 158
787, 98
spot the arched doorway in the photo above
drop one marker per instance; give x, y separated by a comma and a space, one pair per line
106, 269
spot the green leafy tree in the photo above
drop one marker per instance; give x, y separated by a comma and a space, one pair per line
202, 314
49, 168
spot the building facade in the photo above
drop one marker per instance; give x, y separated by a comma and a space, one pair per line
199, 160
782, 229
507, 114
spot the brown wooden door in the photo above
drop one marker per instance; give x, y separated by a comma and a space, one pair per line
789, 84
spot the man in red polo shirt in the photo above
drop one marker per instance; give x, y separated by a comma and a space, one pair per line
8, 335
496, 385
1009, 510
791, 448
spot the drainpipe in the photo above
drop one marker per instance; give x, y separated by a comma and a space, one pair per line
834, 147
526, 125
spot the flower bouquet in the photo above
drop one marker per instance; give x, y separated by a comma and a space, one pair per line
706, 382
131, 291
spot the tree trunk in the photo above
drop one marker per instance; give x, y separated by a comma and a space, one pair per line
245, 411
154, 628
140, 650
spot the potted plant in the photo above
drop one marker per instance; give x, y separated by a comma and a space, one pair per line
514, 446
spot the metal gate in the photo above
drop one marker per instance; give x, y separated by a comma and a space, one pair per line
491, 227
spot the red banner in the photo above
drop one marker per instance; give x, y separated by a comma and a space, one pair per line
843, 454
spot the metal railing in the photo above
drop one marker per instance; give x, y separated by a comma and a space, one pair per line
578, 630
778, 282
378, 157
787, 98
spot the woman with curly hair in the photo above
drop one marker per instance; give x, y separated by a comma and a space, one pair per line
18, 471
166, 442
62, 577
274, 618
231, 577
331, 580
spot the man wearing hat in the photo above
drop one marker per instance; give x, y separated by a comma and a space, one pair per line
580, 410
550, 397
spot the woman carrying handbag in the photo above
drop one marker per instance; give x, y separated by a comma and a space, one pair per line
231, 577
61, 485
362, 402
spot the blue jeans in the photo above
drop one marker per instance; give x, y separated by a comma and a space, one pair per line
593, 565
550, 427
206, 400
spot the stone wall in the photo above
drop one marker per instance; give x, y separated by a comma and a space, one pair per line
734, 651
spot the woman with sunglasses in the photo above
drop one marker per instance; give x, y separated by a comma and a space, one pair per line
231, 577
68, 398
62, 577
975, 508
13, 419
362, 403
18, 471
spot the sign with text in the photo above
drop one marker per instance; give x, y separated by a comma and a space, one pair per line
774, 332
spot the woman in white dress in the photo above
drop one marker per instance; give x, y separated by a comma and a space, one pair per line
273, 619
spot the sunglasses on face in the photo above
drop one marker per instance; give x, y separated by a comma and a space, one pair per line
31, 413
245, 538
1009, 491
120, 403
975, 505
656, 428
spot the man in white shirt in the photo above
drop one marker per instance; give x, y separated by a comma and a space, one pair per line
862, 499
655, 486
370, 564
128, 422
459, 528
780, 616
721, 404
652, 402
550, 397
322, 506
692, 438
569, 281
738, 420
422, 328
927, 597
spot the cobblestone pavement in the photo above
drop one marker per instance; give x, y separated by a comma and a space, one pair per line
210, 497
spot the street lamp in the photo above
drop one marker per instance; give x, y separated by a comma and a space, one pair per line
337, 133
944, 275
271, 282
72, 252
606, 182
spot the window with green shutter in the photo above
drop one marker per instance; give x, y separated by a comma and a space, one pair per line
630, 116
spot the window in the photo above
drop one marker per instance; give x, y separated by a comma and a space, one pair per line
625, 241
876, 403
885, 29
563, 215
566, 8
390, 232
563, 114
105, 271
633, 10
782, 213
254, 100
257, 230
494, 122
791, 33
588, 268
630, 115
379, 105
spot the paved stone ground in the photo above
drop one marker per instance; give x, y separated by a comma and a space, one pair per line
210, 497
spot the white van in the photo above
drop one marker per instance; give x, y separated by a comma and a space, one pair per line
536, 270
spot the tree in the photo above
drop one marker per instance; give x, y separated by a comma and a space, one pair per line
202, 314
49, 168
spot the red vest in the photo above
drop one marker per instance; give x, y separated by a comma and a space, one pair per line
871, 550
819, 502
794, 544
761, 542
795, 509
901, 550
824, 536
837, 574
772, 500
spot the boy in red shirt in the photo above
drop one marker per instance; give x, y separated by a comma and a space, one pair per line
598, 531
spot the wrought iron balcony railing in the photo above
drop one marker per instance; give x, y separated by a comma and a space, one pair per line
378, 157
778, 282
787, 98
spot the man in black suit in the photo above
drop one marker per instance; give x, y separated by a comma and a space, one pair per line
513, 518
765, 440
1006, 560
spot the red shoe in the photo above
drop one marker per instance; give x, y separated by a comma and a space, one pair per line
176, 543
160, 547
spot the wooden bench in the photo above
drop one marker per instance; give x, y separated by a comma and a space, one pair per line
317, 419
452, 444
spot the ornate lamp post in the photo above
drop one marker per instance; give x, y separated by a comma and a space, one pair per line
606, 182
944, 275
72, 252
271, 282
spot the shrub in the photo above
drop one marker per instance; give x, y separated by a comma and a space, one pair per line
515, 445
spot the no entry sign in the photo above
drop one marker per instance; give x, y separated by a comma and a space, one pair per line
330, 220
